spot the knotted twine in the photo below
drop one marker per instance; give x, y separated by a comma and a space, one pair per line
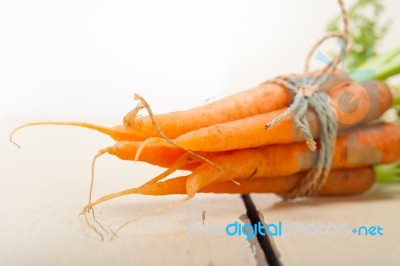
308, 95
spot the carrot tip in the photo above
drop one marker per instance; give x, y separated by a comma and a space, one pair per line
110, 131
114, 235
153, 211
136, 96
131, 117
86, 211
13, 142
13, 133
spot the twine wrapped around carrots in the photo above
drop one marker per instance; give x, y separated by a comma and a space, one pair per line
308, 95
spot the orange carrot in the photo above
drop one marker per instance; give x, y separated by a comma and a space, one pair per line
339, 182
250, 131
211, 133
261, 99
265, 98
118, 132
372, 145
156, 154
152, 153
165, 156
362, 147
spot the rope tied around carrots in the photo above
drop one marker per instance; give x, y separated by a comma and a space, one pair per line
308, 95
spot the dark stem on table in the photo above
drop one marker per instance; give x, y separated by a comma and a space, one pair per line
264, 241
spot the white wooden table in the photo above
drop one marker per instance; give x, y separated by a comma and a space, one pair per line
45, 185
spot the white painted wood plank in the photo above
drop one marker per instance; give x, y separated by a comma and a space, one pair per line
45, 185
380, 206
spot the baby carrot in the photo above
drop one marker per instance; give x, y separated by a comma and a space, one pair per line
152, 153
265, 98
156, 154
339, 182
261, 99
250, 131
118, 132
372, 145
358, 148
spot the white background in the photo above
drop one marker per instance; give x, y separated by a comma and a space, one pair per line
81, 59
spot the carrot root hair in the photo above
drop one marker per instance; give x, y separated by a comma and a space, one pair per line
132, 115
181, 161
150, 212
100, 153
90, 206
178, 163
105, 130
144, 103
88, 210
91, 226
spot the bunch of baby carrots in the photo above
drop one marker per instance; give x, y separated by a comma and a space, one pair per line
228, 148
227, 141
